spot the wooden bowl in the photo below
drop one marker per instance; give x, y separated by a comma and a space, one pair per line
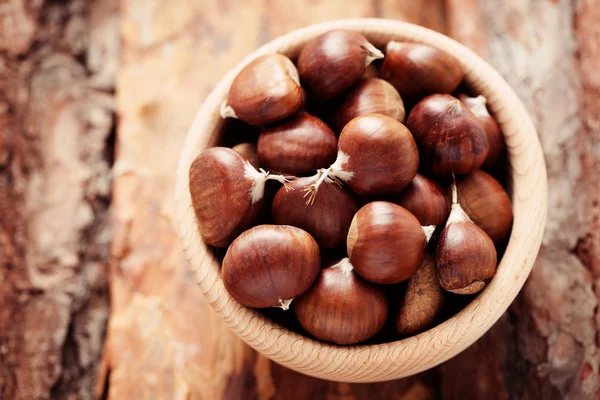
380, 362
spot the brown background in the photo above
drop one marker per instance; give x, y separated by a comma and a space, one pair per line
86, 208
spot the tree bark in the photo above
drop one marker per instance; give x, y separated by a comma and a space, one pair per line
55, 129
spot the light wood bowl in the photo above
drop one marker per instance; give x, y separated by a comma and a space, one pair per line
380, 362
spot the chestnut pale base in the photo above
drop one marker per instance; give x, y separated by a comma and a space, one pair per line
371, 363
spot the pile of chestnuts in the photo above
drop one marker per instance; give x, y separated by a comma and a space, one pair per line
364, 204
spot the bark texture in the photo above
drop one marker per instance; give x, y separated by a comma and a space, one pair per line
56, 121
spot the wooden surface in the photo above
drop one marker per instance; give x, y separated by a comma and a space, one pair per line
166, 342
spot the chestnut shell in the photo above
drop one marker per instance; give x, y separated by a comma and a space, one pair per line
266, 90
385, 243
269, 264
465, 258
217, 174
450, 138
369, 96
341, 307
426, 200
416, 70
327, 219
486, 202
423, 300
495, 137
298, 145
383, 156
332, 62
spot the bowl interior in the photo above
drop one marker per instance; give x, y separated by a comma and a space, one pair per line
378, 362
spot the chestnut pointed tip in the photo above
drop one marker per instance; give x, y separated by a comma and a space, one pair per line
455, 107
258, 178
391, 46
428, 231
285, 304
227, 111
336, 172
373, 53
346, 266
477, 105
457, 214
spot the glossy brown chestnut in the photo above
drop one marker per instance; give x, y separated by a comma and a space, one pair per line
385, 243
450, 137
377, 155
426, 200
227, 194
487, 204
372, 95
465, 254
331, 63
327, 218
269, 265
249, 151
298, 145
379, 152
265, 91
423, 300
495, 137
417, 70
341, 307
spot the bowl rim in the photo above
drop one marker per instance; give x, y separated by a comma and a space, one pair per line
380, 362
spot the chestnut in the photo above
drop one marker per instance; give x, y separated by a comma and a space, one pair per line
371, 95
465, 255
450, 138
334, 61
495, 137
227, 194
417, 70
341, 307
487, 204
426, 200
423, 300
377, 155
327, 218
265, 91
297, 145
386, 242
269, 265
249, 151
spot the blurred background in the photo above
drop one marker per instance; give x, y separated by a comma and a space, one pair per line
96, 301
